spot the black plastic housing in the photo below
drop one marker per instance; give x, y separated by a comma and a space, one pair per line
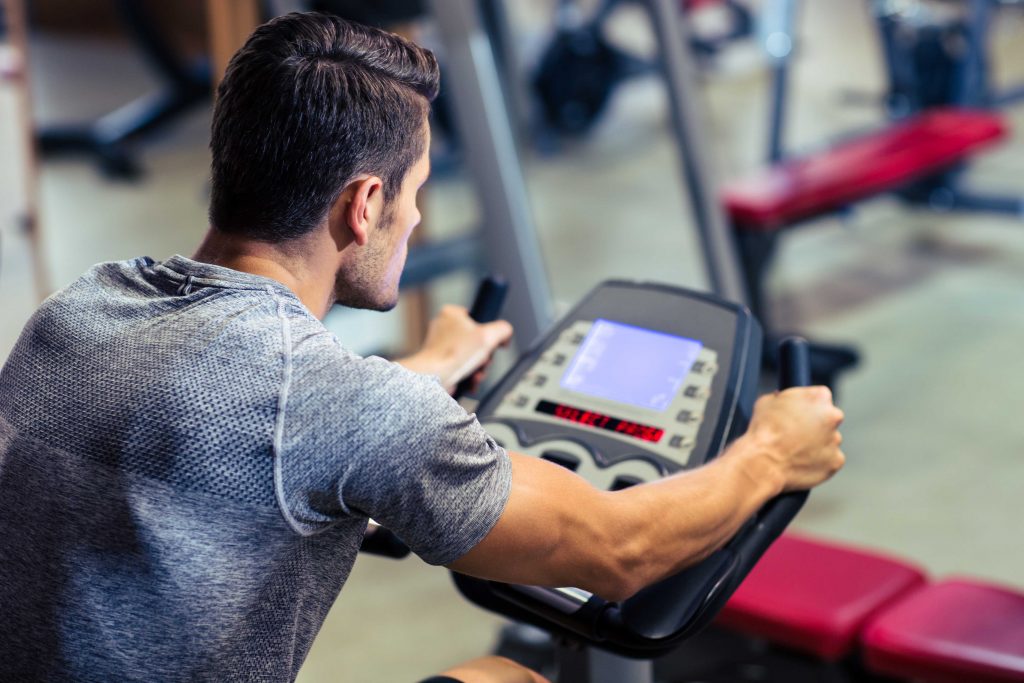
660, 616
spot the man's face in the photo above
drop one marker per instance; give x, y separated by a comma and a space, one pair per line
372, 282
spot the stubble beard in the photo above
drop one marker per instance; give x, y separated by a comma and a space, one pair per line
362, 286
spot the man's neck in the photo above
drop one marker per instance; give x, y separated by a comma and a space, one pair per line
297, 267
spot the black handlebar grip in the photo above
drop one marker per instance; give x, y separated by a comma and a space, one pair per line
794, 363
794, 371
487, 305
380, 541
489, 299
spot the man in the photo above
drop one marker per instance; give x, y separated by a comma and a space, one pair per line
188, 458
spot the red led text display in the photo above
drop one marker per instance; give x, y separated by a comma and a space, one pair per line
599, 421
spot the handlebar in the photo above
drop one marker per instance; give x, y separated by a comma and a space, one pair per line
660, 616
379, 541
794, 371
487, 305
794, 363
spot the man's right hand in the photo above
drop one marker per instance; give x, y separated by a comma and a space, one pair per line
494, 670
797, 431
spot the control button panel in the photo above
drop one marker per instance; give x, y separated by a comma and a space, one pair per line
540, 396
577, 458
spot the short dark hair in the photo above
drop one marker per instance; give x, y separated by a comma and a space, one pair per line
309, 102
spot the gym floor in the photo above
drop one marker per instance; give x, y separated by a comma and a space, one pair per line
935, 302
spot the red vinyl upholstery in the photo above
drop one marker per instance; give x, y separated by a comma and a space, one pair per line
909, 150
950, 632
815, 596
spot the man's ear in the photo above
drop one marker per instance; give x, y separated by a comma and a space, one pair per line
358, 208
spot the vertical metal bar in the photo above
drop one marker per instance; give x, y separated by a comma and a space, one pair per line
778, 40
495, 21
780, 79
509, 235
16, 18
609, 668
579, 663
684, 96
898, 70
973, 87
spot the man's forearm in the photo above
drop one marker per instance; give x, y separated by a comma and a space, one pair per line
675, 522
558, 530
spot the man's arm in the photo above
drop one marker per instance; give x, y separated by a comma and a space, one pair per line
457, 347
558, 530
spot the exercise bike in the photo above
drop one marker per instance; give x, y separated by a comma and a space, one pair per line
636, 383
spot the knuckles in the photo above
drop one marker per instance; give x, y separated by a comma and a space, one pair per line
822, 393
838, 461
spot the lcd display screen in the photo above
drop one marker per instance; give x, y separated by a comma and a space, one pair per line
601, 421
631, 365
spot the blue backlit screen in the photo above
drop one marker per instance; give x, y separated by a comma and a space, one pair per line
631, 365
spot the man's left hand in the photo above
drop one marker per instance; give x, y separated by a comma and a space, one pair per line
457, 347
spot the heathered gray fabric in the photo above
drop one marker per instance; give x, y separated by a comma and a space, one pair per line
187, 462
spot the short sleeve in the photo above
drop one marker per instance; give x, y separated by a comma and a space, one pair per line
367, 437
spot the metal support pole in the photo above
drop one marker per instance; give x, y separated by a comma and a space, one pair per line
778, 39
608, 668
16, 19
974, 88
494, 17
585, 664
710, 222
509, 235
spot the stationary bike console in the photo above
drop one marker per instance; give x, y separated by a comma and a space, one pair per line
638, 382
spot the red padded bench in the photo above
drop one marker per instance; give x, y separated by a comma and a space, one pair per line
816, 597
950, 632
914, 148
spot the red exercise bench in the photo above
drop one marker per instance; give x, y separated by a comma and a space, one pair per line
833, 602
816, 597
914, 148
909, 152
950, 632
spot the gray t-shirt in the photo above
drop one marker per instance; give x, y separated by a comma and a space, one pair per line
188, 459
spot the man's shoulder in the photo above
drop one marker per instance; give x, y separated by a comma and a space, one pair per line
326, 372
320, 351
83, 304
98, 281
